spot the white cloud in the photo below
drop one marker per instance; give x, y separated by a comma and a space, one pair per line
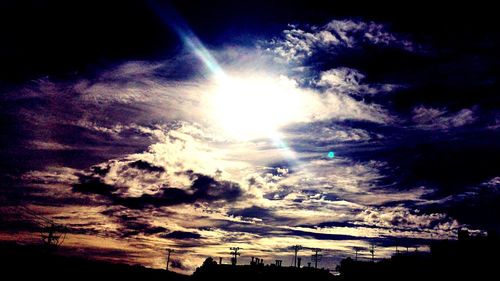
404, 218
439, 119
192, 101
52, 175
298, 43
350, 81
493, 183
330, 133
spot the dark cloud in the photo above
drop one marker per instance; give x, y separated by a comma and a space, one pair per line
143, 165
389, 241
477, 206
448, 163
70, 141
182, 235
209, 189
11, 223
132, 226
323, 236
252, 212
176, 263
203, 189
92, 184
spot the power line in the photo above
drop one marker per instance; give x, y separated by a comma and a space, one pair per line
52, 234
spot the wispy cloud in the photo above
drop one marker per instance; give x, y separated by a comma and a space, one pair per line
350, 81
302, 42
440, 119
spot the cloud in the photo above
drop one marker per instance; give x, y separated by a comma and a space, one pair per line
302, 42
326, 133
252, 212
475, 206
344, 179
182, 235
429, 118
178, 264
203, 188
404, 218
349, 81
89, 184
131, 225
139, 97
494, 183
143, 165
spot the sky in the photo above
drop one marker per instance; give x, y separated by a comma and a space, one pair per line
142, 126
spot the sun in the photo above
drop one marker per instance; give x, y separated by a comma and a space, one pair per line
255, 106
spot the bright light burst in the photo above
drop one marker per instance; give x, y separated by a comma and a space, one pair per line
244, 106
252, 106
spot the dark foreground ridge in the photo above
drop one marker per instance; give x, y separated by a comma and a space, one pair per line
469, 257
20, 262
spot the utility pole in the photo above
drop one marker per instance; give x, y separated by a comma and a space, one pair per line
372, 251
296, 249
169, 251
316, 257
356, 251
235, 254
53, 235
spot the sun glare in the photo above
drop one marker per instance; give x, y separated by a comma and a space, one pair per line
255, 106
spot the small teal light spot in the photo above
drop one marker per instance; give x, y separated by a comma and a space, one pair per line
331, 154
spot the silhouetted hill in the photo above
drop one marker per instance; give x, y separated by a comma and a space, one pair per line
20, 262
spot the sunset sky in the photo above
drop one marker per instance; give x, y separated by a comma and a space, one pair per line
142, 126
